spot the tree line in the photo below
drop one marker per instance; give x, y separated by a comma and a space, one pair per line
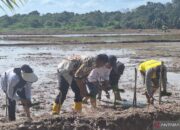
149, 16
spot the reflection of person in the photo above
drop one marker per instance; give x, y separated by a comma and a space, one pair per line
115, 74
150, 70
99, 75
16, 83
66, 71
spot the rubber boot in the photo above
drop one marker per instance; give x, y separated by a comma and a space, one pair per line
93, 102
78, 106
56, 108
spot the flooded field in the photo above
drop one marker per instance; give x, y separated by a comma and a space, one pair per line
134, 37
45, 58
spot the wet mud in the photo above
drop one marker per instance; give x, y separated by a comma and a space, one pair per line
129, 119
45, 58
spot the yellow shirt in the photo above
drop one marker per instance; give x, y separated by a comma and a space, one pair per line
143, 67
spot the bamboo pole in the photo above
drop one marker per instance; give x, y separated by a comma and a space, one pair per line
7, 106
135, 86
7, 102
59, 85
160, 81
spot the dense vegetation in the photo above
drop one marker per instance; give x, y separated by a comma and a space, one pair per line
152, 15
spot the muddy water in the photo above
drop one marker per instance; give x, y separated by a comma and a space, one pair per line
85, 35
89, 38
44, 60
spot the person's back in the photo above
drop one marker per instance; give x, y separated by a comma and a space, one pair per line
88, 63
99, 74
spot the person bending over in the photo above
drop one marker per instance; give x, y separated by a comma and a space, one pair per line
16, 83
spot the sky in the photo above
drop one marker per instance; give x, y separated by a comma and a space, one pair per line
77, 6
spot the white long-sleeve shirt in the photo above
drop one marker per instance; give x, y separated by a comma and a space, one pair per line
9, 80
99, 74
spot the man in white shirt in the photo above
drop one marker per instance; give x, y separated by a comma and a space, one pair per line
16, 83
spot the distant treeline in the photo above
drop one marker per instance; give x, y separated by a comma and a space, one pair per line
149, 16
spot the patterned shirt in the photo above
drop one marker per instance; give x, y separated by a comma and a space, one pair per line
88, 64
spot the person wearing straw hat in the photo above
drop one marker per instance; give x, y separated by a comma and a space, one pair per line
150, 71
16, 83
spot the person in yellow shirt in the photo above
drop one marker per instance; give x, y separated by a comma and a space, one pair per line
150, 70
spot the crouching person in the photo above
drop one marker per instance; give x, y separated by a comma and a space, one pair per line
66, 71
115, 74
16, 83
98, 78
150, 70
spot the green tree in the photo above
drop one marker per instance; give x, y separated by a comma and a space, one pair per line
6, 21
35, 23
151, 15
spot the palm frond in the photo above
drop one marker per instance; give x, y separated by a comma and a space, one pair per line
11, 4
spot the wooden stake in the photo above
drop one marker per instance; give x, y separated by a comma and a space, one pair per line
60, 97
160, 81
60, 93
7, 106
135, 85
7, 102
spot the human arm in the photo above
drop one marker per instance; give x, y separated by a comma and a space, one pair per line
12, 82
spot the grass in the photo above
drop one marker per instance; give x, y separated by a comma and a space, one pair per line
56, 31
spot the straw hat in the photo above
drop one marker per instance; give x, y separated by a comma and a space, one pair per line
28, 74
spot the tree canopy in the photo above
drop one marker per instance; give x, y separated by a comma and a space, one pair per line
151, 15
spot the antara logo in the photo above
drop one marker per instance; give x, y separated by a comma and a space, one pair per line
156, 124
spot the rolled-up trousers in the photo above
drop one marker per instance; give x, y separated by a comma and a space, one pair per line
12, 105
